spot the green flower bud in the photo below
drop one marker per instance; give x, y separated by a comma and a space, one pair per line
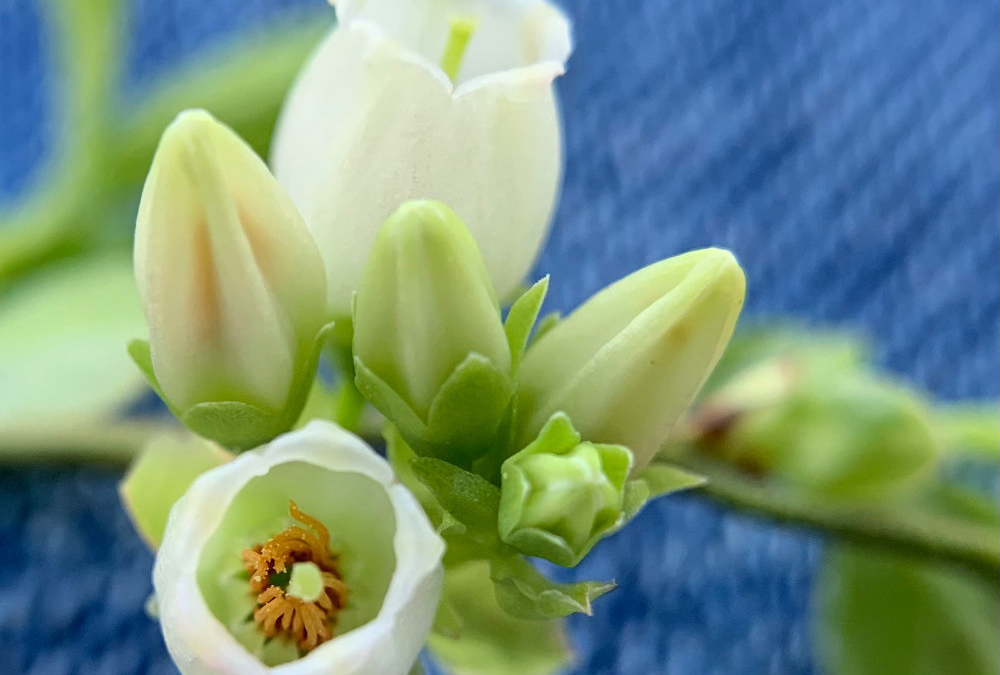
232, 283
430, 349
626, 365
848, 435
559, 495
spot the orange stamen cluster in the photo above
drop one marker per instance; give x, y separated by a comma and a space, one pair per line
309, 624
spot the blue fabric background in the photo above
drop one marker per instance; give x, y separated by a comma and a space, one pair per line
846, 150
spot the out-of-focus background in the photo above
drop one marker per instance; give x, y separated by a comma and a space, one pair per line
845, 150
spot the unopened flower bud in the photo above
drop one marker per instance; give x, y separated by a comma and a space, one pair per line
626, 364
430, 349
845, 434
233, 286
559, 495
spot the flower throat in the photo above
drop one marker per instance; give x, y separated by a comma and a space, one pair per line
297, 583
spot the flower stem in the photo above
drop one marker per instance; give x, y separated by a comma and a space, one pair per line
922, 535
350, 406
462, 28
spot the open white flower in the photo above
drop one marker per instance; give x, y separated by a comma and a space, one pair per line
374, 583
449, 100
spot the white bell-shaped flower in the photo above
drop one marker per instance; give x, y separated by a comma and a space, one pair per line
303, 557
450, 100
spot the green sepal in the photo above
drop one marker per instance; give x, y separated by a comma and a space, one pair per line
401, 457
235, 424
557, 434
160, 475
388, 402
545, 324
140, 353
482, 639
523, 592
448, 622
466, 413
465, 416
558, 438
656, 480
470, 499
521, 319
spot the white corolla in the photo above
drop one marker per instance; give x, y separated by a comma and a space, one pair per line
449, 100
303, 557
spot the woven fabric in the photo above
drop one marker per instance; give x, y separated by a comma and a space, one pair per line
846, 150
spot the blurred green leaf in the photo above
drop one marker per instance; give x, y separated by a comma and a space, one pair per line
62, 344
880, 614
487, 640
161, 474
242, 83
972, 428
90, 190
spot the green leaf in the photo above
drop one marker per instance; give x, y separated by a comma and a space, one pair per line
489, 641
656, 480
880, 614
521, 319
523, 592
470, 499
61, 360
160, 475
970, 428
258, 68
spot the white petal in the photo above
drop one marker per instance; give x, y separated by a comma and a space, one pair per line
510, 34
368, 126
628, 362
387, 645
230, 276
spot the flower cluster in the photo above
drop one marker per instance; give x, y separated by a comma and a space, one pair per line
416, 165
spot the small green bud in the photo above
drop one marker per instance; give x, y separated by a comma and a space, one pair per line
430, 349
626, 365
848, 434
559, 495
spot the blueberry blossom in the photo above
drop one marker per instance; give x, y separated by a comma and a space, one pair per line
451, 101
303, 557
626, 364
232, 284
